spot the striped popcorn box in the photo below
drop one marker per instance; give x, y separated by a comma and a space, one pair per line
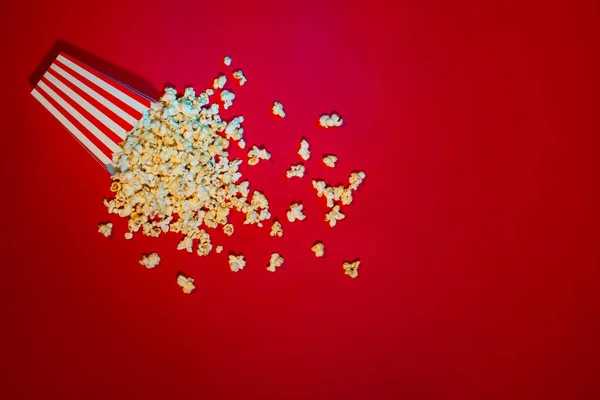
96, 109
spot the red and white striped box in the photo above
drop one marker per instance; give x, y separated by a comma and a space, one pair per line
97, 110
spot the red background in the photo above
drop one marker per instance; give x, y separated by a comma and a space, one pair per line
477, 226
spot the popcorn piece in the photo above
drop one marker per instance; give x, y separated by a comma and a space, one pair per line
236, 263
186, 283
327, 121
204, 248
242, 144
227, 61
276, 229
304, 152
219, 83
295, 213
275, 261
128, 235
295, 170
356, 179
346, 197
227, 98
319, 249
150, 261
334, 215
228, 229
239, 75
330, 161
257, 154
278, 109
209, 92
259, 200
351, 269
105, 229
219, 249
186, 244
319, 186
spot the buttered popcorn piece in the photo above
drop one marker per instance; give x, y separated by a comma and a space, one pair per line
295, 171
219, 83
236, 263
318, 249
356, 179
334, 216
219, 249
330, 161
186, 244
227, 98
257, 154
295, 213
227, 61
328, 121
128, 235
186, 283
150, 261
304, 152
228, 229
351, 268
274, 262
239, 75
105, 229
278, 109
276, 229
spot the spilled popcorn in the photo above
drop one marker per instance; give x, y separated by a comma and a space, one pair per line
351, 269
219, 83
227, 61
304, 152
274, 262
334, 215
219, 249
150, 261
318, 249
330, 161
105, 229
328, 121
276, 229
257, 154
236, 263
278, 109
187, 284
239, 75
295, 213
295, 171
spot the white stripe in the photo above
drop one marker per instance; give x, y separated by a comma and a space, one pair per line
110, 89
110, 124
82, 120
96, 96
80, 136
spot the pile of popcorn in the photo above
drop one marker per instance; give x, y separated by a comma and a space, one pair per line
174, 174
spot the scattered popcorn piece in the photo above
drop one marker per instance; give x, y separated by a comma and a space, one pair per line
219, 249
334, 215
276, 229
186, 244
356, 179
278, 109
105, 229
304, 152
330, 161
239, 75
128, 235
242, 144
150, 261
227, 98
351, 268
186, 283
219, 83
257, 154
295, 170
295, 213
319, 249
209, 92
346, 197
228, 229
275, 261
227, 61
236, 263
327, 121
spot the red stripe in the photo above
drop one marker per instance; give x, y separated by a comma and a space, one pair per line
86, 132
120, 104
123, 89
112, 116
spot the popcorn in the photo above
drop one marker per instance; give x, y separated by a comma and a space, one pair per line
295, 170
186, 244
346, 196
219, 83
239, 75
186, 283
351, 269
209, 92
128, 235
276, 229
259, 200
275, 261
330, 161
219, 249
334, 215
228, 229
236, 263
242, 144
356, 179
320, 187
227, 98
227, 61
304, 153
150, 261
318, 249
105, 229
295, 213
278, 109
204, 249
257, 154
327, 121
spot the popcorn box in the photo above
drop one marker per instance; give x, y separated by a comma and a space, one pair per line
96, 109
